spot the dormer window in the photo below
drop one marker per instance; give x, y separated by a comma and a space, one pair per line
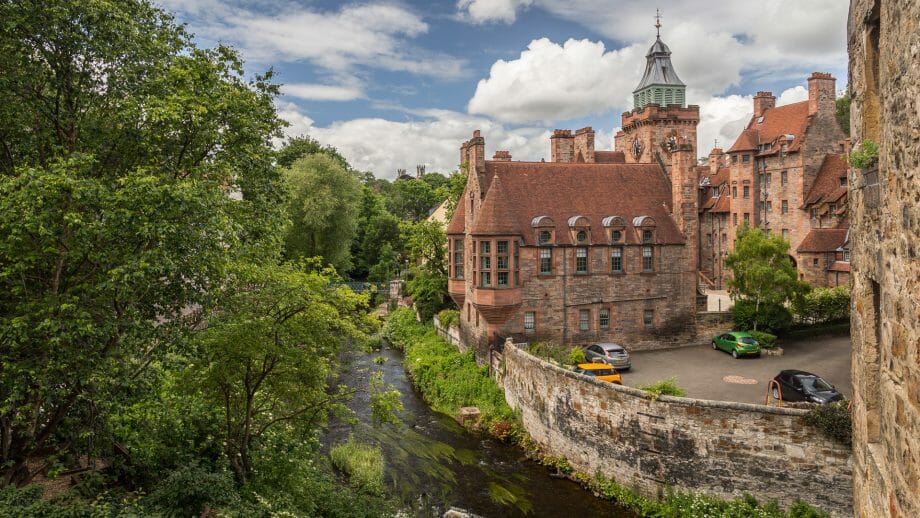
581, 236
616, 236
614, 227
647, 236
545, 237
580, 228
544, 230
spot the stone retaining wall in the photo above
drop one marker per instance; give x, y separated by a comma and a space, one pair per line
721, 448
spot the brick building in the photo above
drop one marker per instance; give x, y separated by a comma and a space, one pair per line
784, 172
593, 245
884, 84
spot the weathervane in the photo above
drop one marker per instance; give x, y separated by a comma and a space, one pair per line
658, 22
717, 143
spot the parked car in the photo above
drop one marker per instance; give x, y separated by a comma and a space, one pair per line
738, 343
611, 354
601, 371
796, 385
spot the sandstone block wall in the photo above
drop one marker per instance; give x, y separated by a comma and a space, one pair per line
725, 449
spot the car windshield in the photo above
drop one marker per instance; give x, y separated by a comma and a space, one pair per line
748, 340
815, 384
600, 372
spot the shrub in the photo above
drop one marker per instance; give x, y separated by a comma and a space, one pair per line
554, 352
773, 318
834, 420
449, 317
576, 356
864, 156
666, 387
766, 340
362, 463
824, 305
191, 489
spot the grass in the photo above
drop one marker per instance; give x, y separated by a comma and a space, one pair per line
447, 379
666, 387
362, 463
562, 355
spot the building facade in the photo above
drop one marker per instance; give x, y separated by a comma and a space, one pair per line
784, 173
884, 83
591, 246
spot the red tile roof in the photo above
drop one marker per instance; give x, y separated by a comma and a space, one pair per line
458, 221
563, 190
839, 266
823, 240
791, 119
827, 188
609, 157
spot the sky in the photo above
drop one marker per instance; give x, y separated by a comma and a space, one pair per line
395, 84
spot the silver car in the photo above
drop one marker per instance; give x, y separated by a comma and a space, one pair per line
609, 353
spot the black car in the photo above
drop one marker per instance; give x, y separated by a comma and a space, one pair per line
796, 385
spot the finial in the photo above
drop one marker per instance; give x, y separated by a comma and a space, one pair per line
717, 143
658, 22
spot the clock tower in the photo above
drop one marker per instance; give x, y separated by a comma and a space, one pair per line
660, 120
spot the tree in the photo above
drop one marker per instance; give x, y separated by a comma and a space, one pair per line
270, 345
119, 140
298, 147
843, 112
452, 191
762, 271
377, 230
411, 199
426, 246
323, 209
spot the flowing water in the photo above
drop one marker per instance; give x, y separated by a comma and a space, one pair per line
433, 464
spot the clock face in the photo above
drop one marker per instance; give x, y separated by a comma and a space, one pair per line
672, 143
637, 148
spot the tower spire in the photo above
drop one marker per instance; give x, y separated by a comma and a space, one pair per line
658, 23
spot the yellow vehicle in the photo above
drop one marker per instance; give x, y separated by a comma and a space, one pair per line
601, 371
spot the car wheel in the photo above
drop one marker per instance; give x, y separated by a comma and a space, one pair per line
775, 392
714, 345
735, 354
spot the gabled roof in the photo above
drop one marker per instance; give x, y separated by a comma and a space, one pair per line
786, 121
823, 240
827, 188
458, 221
563, 190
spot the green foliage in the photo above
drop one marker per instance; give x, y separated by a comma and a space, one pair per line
824, 305
426, 244
576, 356
666, 387
191, 489
386, 267
447, 379
449, 318
429, 292
843, 113
362, 463
766, 340
412, 199
552, 351
302, 146
763, 274
773, 318
865, 156
835, 420
323, 208
453, 191
385, 403
377, 244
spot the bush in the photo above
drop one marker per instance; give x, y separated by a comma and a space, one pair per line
191, 489
576, 356
823, 305
766, 340
362, 463
773, 318
449, 318
666, 387
834, 420
554, 352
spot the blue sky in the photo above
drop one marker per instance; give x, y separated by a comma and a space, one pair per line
393, 84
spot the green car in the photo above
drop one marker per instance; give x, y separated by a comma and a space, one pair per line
738, 343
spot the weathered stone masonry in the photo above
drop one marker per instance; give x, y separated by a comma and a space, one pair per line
725, 449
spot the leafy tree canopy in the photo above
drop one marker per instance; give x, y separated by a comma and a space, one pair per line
412, 199
296, 148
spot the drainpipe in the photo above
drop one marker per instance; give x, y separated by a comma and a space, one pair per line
565, 298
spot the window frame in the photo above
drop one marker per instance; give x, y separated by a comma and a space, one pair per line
584, 319
546, 263
533, 321
603, 315
648, 259
581, 260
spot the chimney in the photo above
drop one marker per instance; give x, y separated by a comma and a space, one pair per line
762, 101
583, 150
715, 160
477, 153
562, 146
822, 93
502, 156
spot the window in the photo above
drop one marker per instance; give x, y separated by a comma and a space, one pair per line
843, 181
545, 236
745, 159
734, 159
747, 191
501, 260
785, 206
616, 259
786, 234
581, 236
814, 262
616, 236
846, 256
604, 318
485, 247
734, 191
530, 321
485, 279
769, 206
769, 178
648, 263
832, 208
583, 318
783, 178
502, 279
648, 317
581, 259
709, 239
734, 218
516, 264
485, 264
814, 213
458, 258
747, 216
715, 192
546, 260
647, 236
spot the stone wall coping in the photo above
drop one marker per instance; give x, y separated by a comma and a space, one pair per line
681, 401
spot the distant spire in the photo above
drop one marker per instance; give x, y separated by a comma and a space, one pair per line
717, 143
658, 22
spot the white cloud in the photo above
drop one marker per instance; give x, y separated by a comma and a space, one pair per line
552, 82
486, 11
318, 92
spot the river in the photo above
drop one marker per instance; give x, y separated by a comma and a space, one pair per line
432, 463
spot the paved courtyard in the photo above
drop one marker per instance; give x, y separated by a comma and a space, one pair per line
708, 374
